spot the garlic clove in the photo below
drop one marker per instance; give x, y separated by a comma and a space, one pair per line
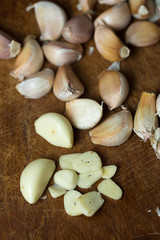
51, 19
142, 9
9, 48
78, 29
114, 131
67, 179
142, 34
145, 120
113, 88
60, 53
37, 85
117, 17
56, 191
110, 2
70, 203
67, 86
155, 142
83, 113
109, 45
86, 5
158, 105
30, 59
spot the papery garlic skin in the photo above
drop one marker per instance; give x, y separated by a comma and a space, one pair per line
37, 85
155, 142
113, 131
51, 19
145, 120
142, 9
86, 5
117, 17
110, 2
113, 88
158, 105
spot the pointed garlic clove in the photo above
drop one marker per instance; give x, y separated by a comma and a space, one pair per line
155, 142
142, 9
78, 29
86, 5
158, 105
37, 85
9, 48
67, 86
109, 45
51, 19
117, 17
110, 2
60, 53
142, 34
83, 113
145, 120
30, 59
114, 131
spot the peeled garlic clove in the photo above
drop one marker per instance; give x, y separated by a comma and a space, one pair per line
66, 178
113, 88
158, 105
109, 45
30, 59
70, 203
78, 29
56, 129
60, 53
110, 2
142, 34
117, 17
86, 5
56, 191
155, 142
142, 9
66, 85
9, 48
66, 161
114, 131
86, 180
109, 171
51, 19
83, 113
38, 85
145, 120
35, 178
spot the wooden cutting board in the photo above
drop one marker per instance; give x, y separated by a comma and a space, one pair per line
138, 168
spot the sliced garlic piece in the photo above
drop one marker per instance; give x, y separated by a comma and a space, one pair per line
35, 178
56, 129
66, 161
56, 191
109, 171
70, 203
66, 178
86, 180
110, 189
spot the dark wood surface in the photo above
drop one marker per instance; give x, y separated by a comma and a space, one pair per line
138, 169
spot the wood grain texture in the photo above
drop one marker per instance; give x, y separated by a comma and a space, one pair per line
138, 169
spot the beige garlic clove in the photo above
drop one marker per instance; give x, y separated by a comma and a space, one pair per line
78, 29
86, 5
83, 113
9, 48
51, 19
113, 88
30, 59
142, 9
60, 53
117, 17
142, 34
145, 121
114, 131
109, 45
37, 85
110, 2
155, 142
66, 85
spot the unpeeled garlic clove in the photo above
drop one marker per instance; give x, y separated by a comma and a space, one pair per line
9, 48
145, 120
86, 5
113, 88
83, 113
30, 59
158, 105
51, 19
109, 45
60, 53
37, 85
116, 17
66, 85
142, 9
155, 142
142, 34
110, 2
114, 131
78, 29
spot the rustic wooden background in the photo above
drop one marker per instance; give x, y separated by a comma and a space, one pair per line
138, 169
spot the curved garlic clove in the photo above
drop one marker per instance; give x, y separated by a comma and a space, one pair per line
109, 45
60, 53
30, 59
35, 178
114, 131
110, 2
145, 120
142, 34
142, 9
78, 29
117, 17
51, 19
155, 142
66, 85
113, 88
158, 105
86, 5
83, 113
37, 85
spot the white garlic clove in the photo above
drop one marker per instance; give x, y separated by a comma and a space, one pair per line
155, 142
66, 161
110, 2
66, 178
158, 105
142, 9
86, 180
109, 171
86, 5
51, 19
70, 203
35, 178
37, 85
56, 191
